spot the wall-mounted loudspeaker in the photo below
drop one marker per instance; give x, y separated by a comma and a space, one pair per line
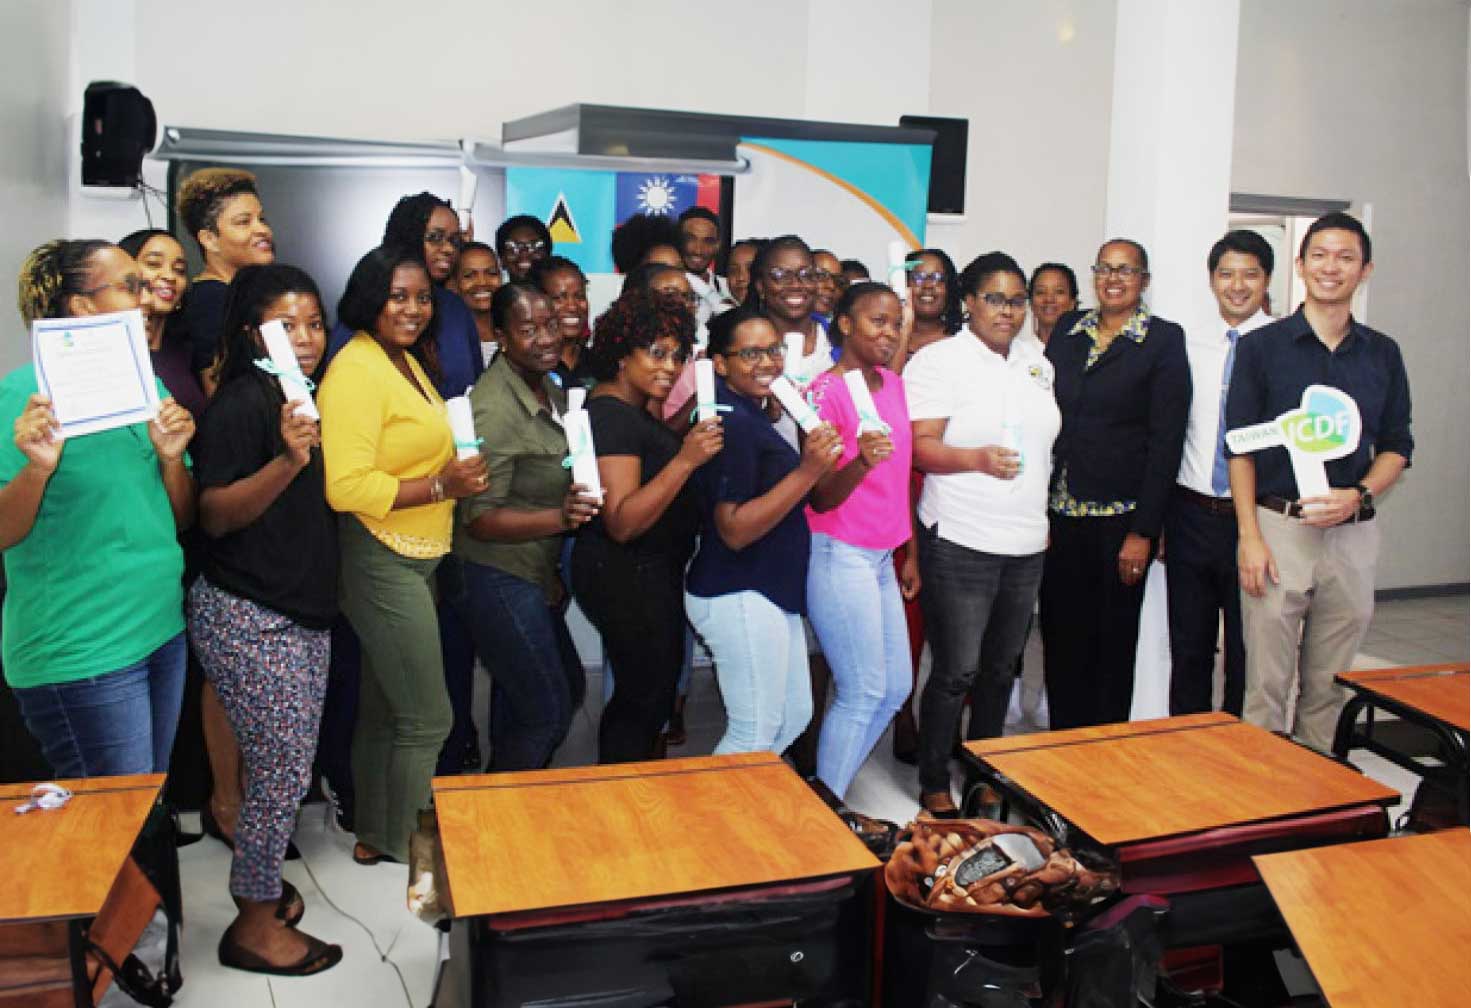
947, 163
118, 129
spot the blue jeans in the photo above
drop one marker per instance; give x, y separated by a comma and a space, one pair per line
760, 657
536, 677
120, 722
855, 607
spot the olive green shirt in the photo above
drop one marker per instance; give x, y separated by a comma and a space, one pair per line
524, 449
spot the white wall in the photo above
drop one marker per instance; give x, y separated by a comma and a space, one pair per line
1035, 80
33, 152
1366, 101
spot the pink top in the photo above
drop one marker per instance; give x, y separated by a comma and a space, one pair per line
876, 513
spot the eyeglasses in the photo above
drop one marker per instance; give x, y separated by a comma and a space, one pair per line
132, 283
443, 238
520, 247
689, 299
1105, 270
918, 279
753, 354
659, 355
781, 275
1002, 301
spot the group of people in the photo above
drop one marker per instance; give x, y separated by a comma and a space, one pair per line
964, 465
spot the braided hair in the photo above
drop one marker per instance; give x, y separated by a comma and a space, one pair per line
252, 291
409, 219
51, 274
203, 195
638, 319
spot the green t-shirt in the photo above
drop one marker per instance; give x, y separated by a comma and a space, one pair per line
96, 585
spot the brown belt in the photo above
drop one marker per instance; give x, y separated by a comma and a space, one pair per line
1293, 509
1221, 506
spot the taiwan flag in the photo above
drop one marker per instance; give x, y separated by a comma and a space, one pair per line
665, 194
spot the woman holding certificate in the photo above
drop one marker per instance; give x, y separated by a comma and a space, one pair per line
746, 591
261, 611
628, 565
859, 514
508, 536
94, 618
984, 421
390, 469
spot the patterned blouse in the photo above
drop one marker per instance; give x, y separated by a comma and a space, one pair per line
1060, 501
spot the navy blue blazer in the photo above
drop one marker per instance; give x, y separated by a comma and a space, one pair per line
1123, 420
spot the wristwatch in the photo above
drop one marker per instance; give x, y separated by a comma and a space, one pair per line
1366, 497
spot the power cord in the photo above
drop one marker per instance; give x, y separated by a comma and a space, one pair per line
382, 954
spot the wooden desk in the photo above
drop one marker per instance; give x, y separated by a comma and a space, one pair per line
1383, 922
1435, 697
590, 835
60, 864
1150, 780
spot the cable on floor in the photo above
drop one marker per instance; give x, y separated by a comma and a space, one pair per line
382, 955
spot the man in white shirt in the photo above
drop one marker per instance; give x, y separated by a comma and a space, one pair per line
699, 244
1200, 527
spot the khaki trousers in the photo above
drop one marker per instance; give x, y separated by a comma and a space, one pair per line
1307, 629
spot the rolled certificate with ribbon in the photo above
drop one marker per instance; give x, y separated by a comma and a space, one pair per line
281, 363
462, 425
793, 344
582, 454
791, 400
898, 270
468, 183
868, 413
705, 389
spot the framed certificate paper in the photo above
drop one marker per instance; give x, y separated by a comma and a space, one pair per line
96, 371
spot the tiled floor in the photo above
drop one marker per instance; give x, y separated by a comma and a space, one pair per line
391, 956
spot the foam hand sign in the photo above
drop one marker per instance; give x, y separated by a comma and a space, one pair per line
1324, 427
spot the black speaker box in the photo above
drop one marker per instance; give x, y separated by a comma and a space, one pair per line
947, 163
118, 129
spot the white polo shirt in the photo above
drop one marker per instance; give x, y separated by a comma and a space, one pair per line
1207, 352
980, 392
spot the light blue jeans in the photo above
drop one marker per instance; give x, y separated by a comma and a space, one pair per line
855, 607
760, 658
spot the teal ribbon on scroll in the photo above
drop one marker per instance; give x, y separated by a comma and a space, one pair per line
477, 443
574, 450
719, 407
293, 376
868, 421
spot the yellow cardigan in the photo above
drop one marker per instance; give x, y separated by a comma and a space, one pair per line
377, 430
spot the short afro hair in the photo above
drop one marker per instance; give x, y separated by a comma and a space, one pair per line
641, 232
203, 194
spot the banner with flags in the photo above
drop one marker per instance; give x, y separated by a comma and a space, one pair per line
665, 194
576, 206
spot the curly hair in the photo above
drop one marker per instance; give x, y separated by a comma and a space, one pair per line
953, 314
409, 219
367, 292
52, 273
635, 236
253, 290
203, 194
637, 320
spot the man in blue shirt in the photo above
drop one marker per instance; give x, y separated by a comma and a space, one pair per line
1306, 564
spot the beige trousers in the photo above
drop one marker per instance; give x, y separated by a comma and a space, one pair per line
1307, 629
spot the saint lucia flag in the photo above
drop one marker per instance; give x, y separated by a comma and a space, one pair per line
576, 206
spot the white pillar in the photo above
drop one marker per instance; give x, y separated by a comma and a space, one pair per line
1169, 163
